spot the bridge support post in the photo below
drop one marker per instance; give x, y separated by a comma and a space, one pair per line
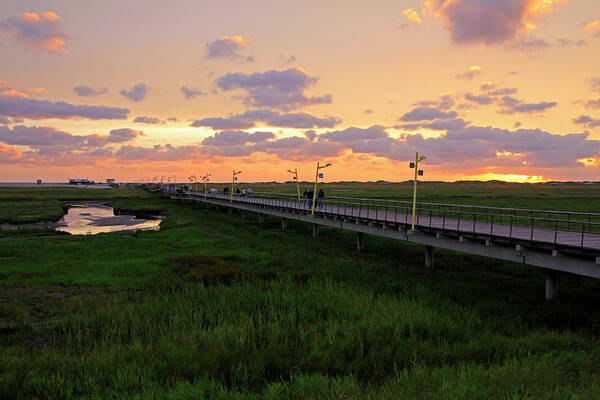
551, 285
283, 223
428, 256
261, 218
315, 230
230, 211
360, 241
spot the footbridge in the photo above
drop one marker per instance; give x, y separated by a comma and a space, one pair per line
556, 241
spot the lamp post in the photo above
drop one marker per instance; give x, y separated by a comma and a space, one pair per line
295, 171
192, 179
205, 180
317, 176
233, 179
418, 172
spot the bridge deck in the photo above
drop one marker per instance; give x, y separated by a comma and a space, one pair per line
531, 234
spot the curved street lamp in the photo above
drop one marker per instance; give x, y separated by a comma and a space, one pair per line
233, 179
317, 176
295, 172
418, 172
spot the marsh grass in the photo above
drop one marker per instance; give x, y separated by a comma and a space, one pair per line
213, 306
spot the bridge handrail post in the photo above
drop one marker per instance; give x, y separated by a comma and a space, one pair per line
474, 215
532, 225
492, 227
582, 233
430, 215
555, 232
444, 222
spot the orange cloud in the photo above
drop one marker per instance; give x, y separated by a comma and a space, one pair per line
41, 31
593, 27
412, 16
489, 21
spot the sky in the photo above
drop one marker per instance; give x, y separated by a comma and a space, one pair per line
144, 89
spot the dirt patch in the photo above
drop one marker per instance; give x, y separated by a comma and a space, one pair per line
208, 269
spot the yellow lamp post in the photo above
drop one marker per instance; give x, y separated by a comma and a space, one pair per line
319, 167
418, 172
205, 180
233, 179
295, 172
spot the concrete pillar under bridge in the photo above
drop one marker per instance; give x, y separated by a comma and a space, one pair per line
261, 218
360, 241
428, 256
552, 285
315, 230
283, 223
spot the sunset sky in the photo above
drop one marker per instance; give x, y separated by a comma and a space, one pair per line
486, 89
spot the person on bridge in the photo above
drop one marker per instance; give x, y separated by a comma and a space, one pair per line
305, 197
321, 198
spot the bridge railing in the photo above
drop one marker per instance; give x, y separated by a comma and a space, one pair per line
567, 220
576, 229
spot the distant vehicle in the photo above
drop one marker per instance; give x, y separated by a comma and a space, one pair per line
77, 181
39, 181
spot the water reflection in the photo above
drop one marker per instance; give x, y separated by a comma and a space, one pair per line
91, 219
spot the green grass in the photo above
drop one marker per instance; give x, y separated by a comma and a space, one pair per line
213, 306
26, 205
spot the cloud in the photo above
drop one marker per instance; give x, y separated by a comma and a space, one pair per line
19, 107
511, 105
595, 84
426, 114
148, 120
595, 104
571, 43
230, 48
41, 31
587, 121
368, 111
166, 152
447, 125
593, 27
528, 44
288, 59
355, 134
412, 16
136, 93
51, 141
282, 89
190, 92
470, 73
10, 155
249, 119
88, 91
8, 91
445, 102
489, 21
172, 119
123, 135
484, 99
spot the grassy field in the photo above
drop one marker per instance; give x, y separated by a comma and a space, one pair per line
218, 306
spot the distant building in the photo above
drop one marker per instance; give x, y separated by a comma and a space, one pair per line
77, 181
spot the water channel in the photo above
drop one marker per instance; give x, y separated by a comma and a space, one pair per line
94, 218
